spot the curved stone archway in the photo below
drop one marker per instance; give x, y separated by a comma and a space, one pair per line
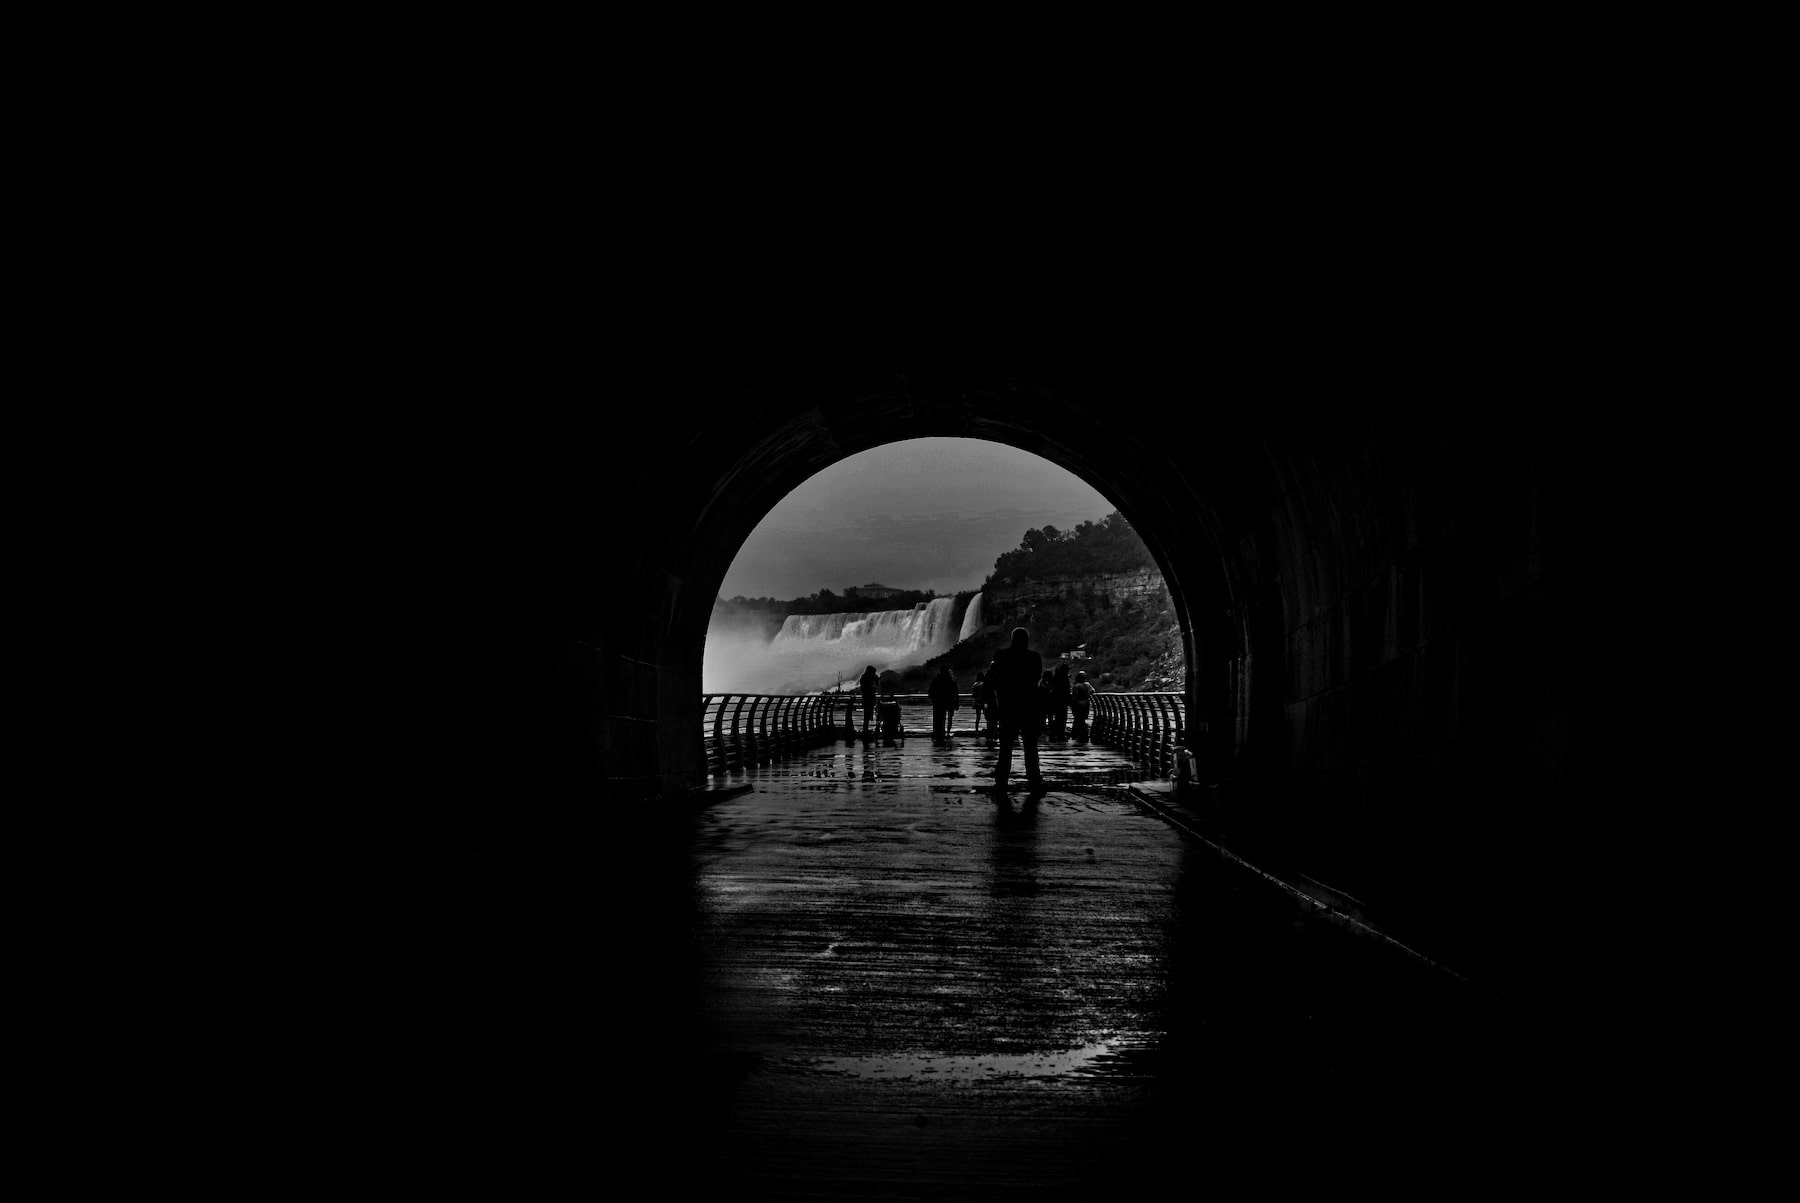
776, 435
1413, 533
1376, 602
812, 439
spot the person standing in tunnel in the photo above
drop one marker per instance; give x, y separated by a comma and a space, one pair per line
1059, 701
943, 702
1081, 697
1012, 681
868, 682
978, 700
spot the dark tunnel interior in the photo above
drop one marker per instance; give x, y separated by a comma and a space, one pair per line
1412, 636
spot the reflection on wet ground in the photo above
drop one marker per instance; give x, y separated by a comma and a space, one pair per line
963, 756
1089, 1058
909, 986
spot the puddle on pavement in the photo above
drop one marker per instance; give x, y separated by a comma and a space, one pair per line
1087, 1059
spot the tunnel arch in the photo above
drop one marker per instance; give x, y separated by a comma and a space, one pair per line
808, 427
1379, 602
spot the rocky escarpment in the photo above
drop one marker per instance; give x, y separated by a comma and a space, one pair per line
1123, 620
1144, 585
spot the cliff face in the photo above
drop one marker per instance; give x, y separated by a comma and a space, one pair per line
1142, 585
1123, 618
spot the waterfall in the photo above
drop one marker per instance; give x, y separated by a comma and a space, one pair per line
971, 619
817, 651
914, 635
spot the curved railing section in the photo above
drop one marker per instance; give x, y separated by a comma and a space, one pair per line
746, 729
742, 730
1144, 725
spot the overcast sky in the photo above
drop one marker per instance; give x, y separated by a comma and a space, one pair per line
922, 514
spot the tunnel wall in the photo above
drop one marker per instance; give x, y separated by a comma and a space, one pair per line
1379, 605
1435, 706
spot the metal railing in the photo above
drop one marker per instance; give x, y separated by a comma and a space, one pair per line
747, 729
1144, 725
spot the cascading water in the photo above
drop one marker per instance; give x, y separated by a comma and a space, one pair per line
971, 619
913, 636
816, 651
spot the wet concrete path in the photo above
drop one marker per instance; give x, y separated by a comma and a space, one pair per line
853, 976
856, 975
909, 988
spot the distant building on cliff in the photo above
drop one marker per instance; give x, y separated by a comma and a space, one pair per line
870, 591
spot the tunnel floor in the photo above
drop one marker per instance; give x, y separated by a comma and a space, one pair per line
906, 987
857, 974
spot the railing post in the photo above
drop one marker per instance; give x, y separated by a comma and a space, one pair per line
1178, 707
1165, 733
715, 753
771, 735
740, 750
1152, 731
759, 729
788, 706
706, 731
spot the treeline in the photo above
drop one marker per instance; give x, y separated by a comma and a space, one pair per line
1091, 549
1134, 643
827, 602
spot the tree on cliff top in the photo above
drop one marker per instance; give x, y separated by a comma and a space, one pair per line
1091, 549
827, 602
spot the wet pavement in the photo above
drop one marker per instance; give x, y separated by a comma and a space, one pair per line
908, 988
857, 974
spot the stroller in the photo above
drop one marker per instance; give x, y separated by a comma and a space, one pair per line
887, 719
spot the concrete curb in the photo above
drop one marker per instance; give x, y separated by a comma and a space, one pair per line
705, 795
1335, 905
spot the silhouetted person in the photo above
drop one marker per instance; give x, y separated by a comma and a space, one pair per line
1012, 681
943, 702
868, 683
1081, 699
978, 700
1059, 701
889, 710
1186, 773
